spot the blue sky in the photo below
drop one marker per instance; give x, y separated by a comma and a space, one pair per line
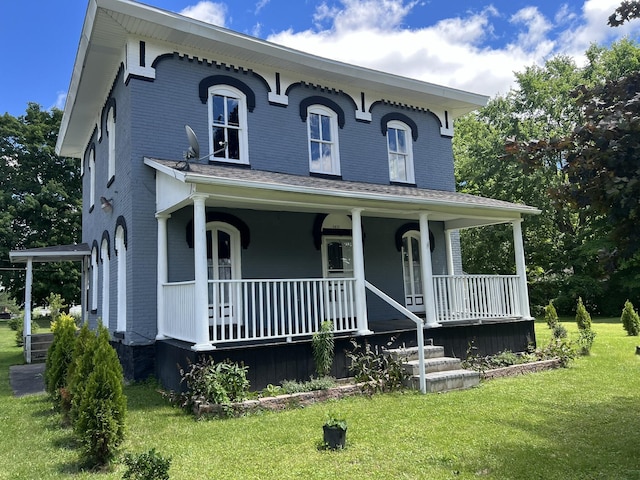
474, 45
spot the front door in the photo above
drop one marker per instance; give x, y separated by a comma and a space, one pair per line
223, 258
412, 270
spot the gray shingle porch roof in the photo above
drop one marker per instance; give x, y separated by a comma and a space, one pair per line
397, 196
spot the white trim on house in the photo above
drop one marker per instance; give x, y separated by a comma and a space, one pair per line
322, 136
400, 152
221, 145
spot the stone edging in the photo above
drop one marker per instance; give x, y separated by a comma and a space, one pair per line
521, 369
279, 402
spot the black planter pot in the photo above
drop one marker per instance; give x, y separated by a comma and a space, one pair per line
334, 437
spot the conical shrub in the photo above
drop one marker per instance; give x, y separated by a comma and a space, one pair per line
630, 319
60, 355
100, 421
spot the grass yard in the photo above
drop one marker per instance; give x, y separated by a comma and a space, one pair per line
577, 423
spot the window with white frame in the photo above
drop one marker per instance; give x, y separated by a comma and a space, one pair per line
94, 279
111, 136
104, 254
400, 149
121, 252
92, 179
228, 140
322, 127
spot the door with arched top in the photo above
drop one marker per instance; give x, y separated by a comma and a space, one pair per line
412, 272
223, 263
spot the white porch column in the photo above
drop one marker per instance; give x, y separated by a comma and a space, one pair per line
201, 276
451, 270
358, 271
427, 272
163, 271
26, 329
521, 269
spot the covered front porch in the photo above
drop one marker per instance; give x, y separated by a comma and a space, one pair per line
224, 304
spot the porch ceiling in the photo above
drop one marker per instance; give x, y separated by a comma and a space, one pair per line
259, 190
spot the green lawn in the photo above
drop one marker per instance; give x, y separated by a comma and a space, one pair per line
576, 423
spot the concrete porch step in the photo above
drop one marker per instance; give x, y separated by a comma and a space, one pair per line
448, 380
411, 353
432, 365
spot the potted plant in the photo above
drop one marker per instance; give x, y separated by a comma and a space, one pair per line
335, 432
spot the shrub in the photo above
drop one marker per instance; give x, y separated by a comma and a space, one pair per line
17, 324
585, 341
322, 383
146, 466
101, 416
322, 343
551, 315
56, 306
559, 331
60, 355
583, 319
378, 372
220, 383
79, 369
630, 319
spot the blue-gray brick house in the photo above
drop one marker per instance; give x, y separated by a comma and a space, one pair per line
320, 191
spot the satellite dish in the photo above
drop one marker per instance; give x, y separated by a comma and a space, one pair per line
194, 147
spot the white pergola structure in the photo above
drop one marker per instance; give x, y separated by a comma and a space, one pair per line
62, 253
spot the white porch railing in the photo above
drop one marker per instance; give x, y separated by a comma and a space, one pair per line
476, 297
260, 310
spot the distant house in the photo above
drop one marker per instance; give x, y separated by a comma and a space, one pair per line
319, 191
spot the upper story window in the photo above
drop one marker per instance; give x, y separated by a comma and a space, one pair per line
324, 155
228, 121
400, 149
111, 136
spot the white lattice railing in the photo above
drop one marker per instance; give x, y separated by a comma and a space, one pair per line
474, 297
257, 310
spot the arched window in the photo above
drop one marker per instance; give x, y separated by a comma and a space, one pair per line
111, 136
92, 179
400, 150
228, 141
104, 257
94, 279
322, 128
121, 252
412, 271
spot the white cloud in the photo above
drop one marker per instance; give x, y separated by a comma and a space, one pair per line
207, 11
459, 52
260, 5
61, 98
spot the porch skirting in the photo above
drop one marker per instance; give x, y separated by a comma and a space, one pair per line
276, 362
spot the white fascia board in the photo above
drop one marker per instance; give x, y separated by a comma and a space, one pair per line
306, 190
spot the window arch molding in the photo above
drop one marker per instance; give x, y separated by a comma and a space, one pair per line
245, 234
121, 223
399, 117
412, 227
325, 102
222, 80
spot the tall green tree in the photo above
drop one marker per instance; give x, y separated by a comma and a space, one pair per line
40, 202
568, 247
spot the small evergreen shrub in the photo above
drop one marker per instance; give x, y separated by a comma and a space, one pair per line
20, 332
15, 322
583, 319
59, 356
559, 331
79, 369
291, 386
146, 466
377, 372
322, 343
551, 315
585, 341
630, 319
100, 422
